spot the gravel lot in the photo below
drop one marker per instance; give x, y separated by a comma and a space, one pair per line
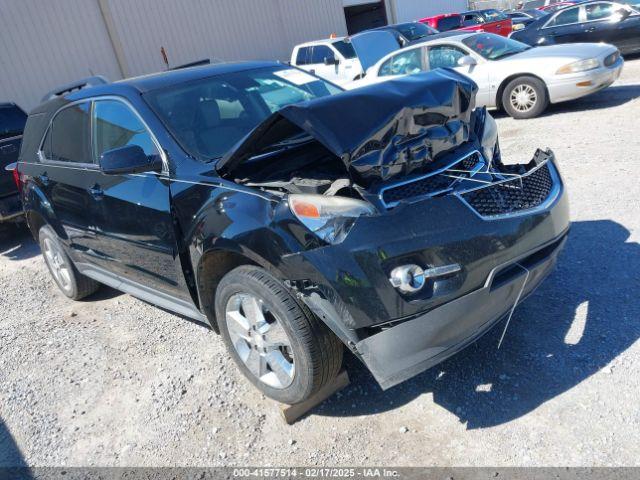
115, 381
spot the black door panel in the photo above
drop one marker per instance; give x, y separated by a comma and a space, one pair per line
133, 211
135, 231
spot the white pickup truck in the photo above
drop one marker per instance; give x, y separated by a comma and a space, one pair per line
333, 59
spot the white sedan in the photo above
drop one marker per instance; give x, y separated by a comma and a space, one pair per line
521, 79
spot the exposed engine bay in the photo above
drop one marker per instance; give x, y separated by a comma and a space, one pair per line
423, 138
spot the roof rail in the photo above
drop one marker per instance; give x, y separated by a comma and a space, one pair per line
77, 85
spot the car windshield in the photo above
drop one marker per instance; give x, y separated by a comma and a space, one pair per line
209, 116
494, 47
415, 31
346, 49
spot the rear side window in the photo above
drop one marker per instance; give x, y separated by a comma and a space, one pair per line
12, 120
599, 11
405, 63
320, 52
471, 19
304, 56
445, 56
68, 138
345, 49
115, 125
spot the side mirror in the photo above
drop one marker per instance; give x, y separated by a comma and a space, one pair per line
331, 61
129, 159
467, 61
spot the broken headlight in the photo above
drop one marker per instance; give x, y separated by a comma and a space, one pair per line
579, 66
330, 218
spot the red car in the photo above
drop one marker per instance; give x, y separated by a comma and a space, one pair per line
489, 20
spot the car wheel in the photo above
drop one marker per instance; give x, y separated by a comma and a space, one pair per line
278, 344
71, 282
525, 97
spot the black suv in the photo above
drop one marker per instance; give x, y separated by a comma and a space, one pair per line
12, 120
292, 217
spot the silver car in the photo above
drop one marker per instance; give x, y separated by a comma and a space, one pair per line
521, 79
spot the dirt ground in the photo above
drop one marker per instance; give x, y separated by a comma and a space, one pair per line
115, 381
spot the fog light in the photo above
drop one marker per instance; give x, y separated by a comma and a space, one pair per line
407, 278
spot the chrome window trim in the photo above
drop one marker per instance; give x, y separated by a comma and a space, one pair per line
94, 165
8, 139
41, 156
154, 139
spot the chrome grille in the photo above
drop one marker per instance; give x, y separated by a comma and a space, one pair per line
512, 196
428, 185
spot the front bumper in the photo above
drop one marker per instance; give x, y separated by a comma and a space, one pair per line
566, 87
10, 208
396, 335
401, 352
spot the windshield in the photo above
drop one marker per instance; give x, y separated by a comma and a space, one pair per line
346, 49
415, 31
494, 47
209, 116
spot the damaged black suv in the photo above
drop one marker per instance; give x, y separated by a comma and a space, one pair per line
292, 217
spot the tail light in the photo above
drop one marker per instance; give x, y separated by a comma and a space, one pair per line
16, 176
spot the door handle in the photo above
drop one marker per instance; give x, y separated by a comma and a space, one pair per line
591, 29
44, 179
96, 192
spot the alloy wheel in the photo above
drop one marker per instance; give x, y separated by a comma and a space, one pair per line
56, 259
260, 340
523, 98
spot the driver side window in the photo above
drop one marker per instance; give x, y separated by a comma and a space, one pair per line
404, 63
566, 17
115, 125
445, 56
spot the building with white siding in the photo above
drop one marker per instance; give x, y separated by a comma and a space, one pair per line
46, 43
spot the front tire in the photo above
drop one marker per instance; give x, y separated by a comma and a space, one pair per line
70, 282
277, 343
525, 97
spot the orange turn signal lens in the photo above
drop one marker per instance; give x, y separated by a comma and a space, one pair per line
305, 209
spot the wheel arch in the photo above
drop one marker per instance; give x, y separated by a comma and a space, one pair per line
38, 212
511, 77
213, 265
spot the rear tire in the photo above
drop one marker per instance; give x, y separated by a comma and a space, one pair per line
525, 97
277, 343
70, 282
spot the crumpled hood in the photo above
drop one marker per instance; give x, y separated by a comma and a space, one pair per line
378, 131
